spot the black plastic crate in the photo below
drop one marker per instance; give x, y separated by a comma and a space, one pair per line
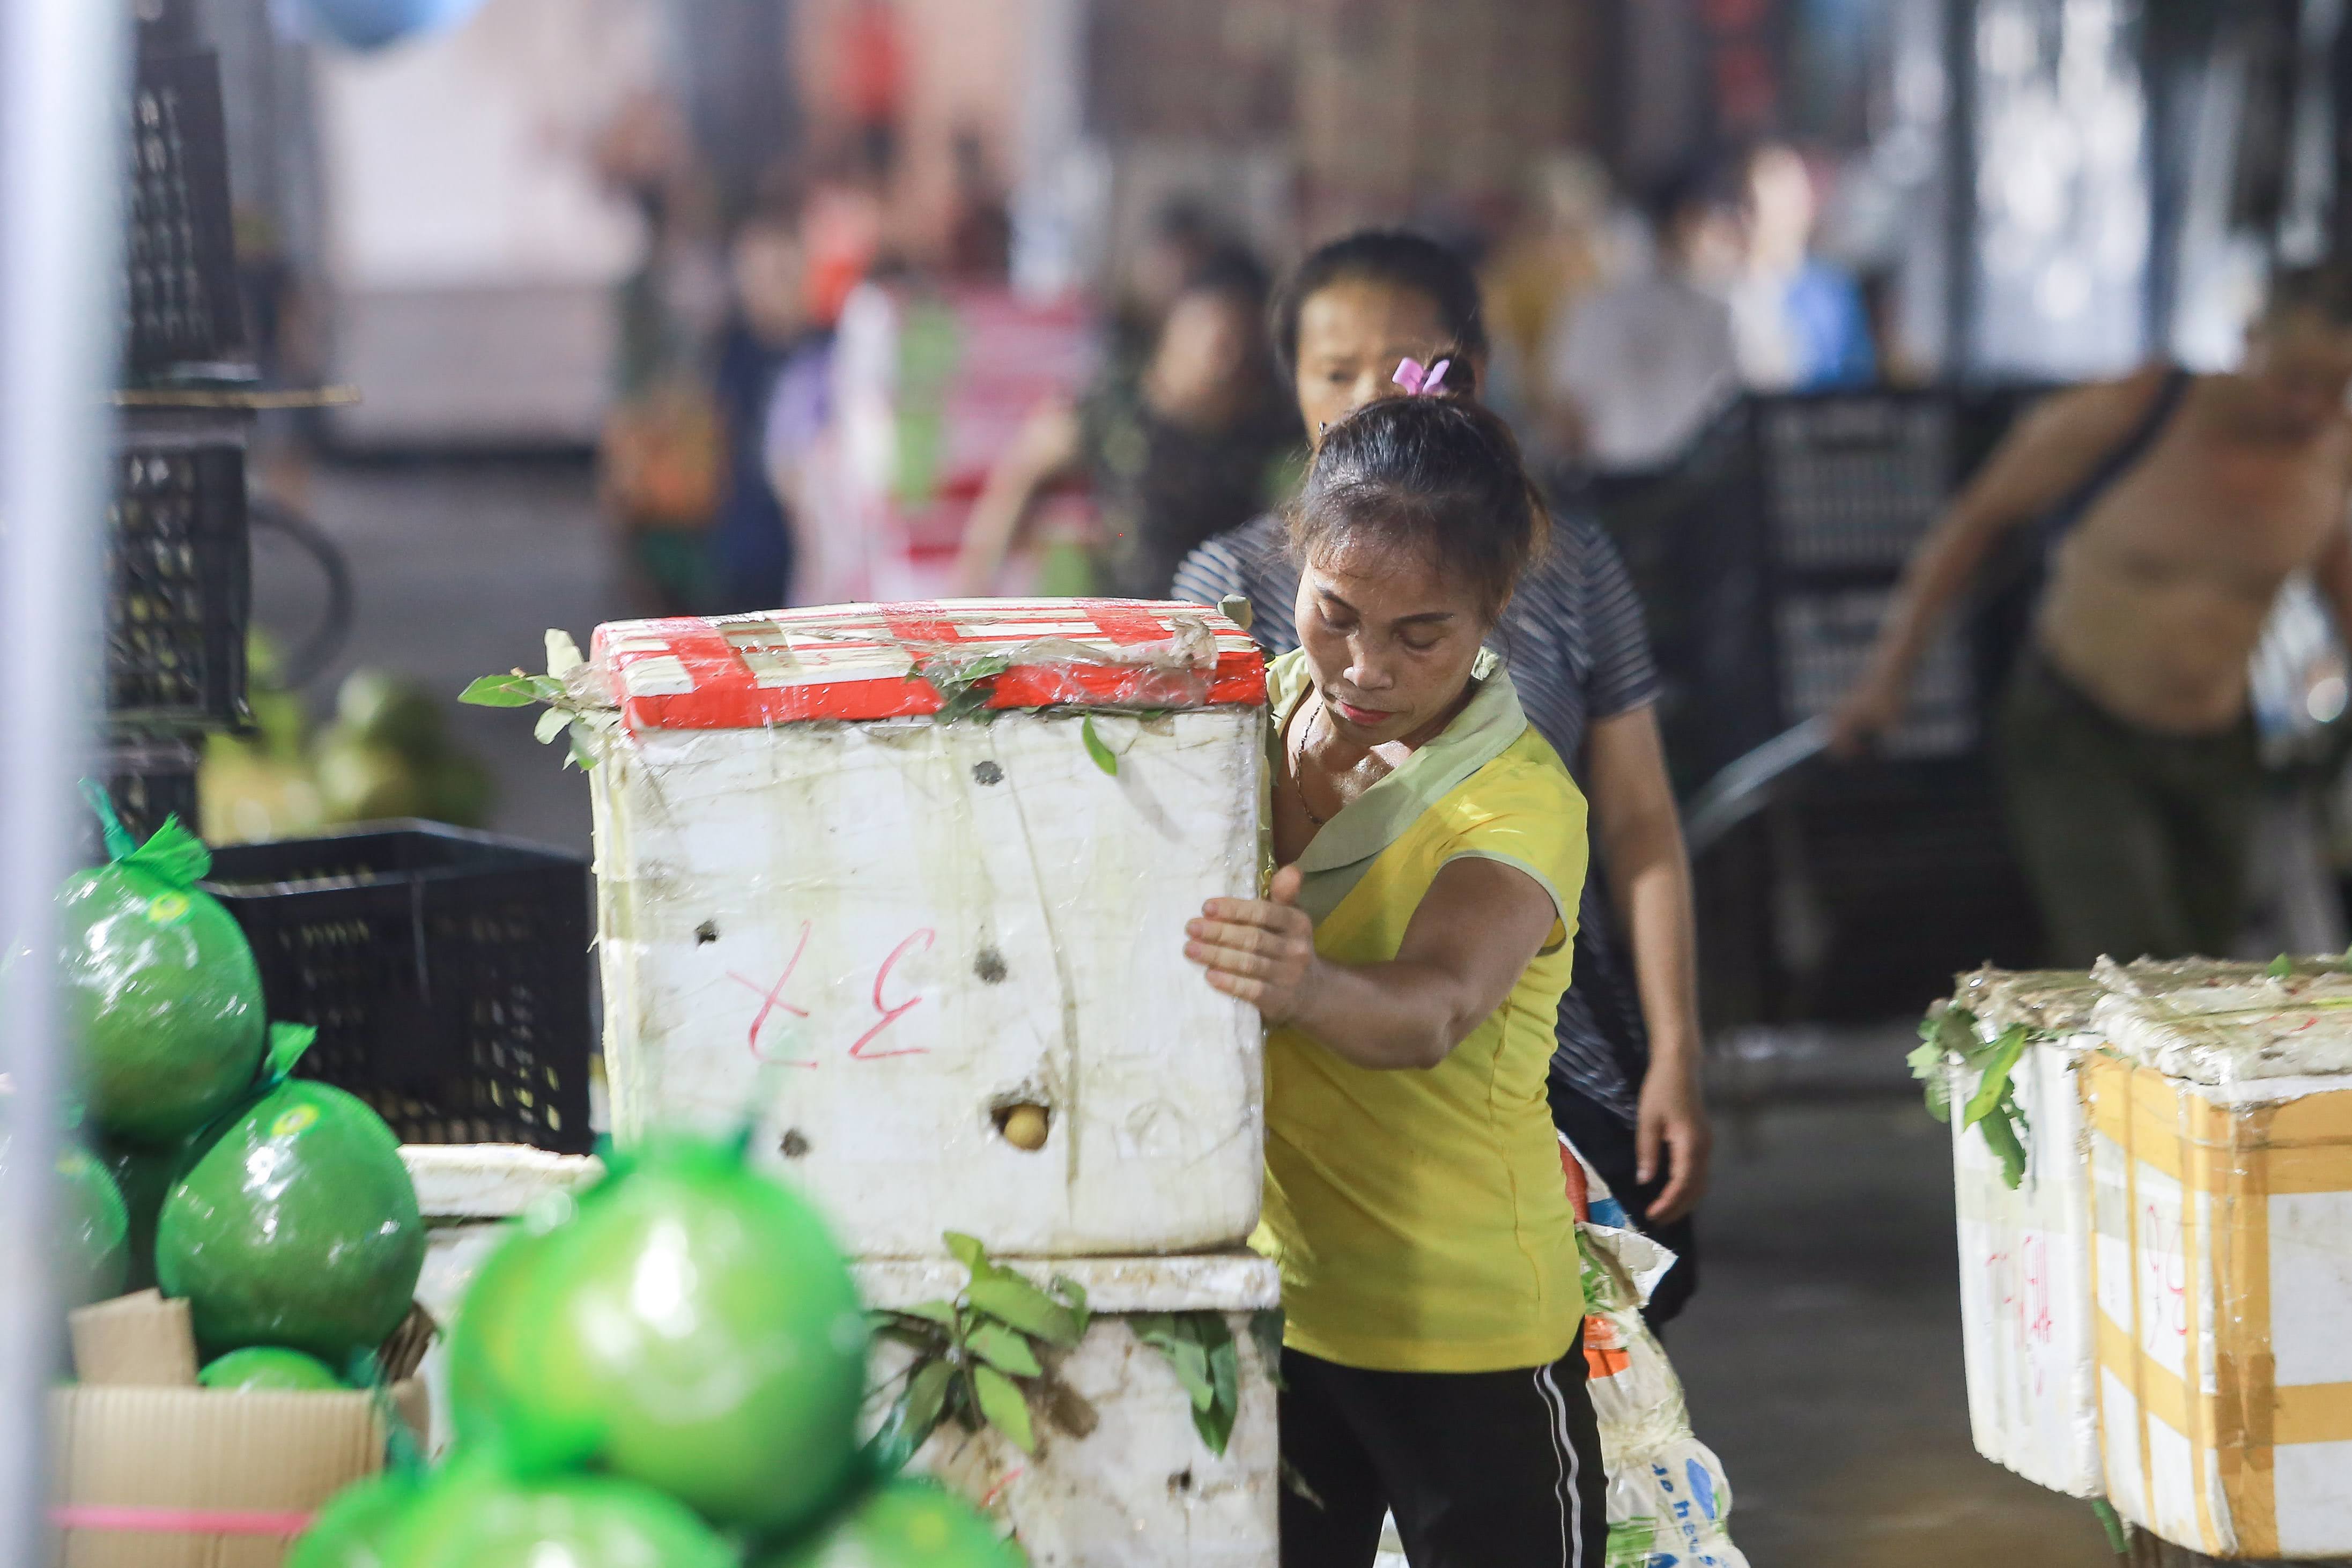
182, 309
1849, 482
179, 574
149, 780
446, 973
1824, 637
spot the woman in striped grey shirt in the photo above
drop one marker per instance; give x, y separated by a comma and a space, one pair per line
1625, 1078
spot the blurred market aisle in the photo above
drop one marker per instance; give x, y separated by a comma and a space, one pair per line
458, 569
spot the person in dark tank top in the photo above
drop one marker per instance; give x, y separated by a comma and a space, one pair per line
2172, 508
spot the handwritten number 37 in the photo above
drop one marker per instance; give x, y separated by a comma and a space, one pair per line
772, 1000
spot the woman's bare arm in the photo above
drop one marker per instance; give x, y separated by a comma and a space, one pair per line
1475, 931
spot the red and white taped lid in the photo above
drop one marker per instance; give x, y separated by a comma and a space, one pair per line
870, 661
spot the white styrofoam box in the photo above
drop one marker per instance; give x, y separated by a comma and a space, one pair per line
1140, 1489
466, 1192
2028, 1331
873, 938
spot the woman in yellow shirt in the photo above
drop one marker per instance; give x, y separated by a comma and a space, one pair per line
1409, 959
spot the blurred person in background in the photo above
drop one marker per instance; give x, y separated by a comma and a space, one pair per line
869, 68
980, 234
2171, 509
1800, 320
661, 457
768, 329
1203, 441
1634, 373
1560, 253
842, 227
1182, 238
1625, 1076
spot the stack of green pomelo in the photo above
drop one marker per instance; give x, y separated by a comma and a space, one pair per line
279, 1208
667, 1368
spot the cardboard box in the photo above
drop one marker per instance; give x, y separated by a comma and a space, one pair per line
2222, 1273
149, 1471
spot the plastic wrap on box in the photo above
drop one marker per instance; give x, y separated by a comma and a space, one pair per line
892, 872
2048, 1000
2222, 1275
2225, 1035
2025, 1252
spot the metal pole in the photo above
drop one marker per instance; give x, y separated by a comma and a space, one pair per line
61, 81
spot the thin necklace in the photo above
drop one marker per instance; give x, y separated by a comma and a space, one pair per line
1297, 762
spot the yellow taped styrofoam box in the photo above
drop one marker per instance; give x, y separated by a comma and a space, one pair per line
2222, 1273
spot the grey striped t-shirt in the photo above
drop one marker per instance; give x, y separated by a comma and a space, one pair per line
1578, 650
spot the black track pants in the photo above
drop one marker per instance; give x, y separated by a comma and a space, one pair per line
1485, 1469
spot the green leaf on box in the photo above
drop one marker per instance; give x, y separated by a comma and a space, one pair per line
1104, 757
1011, 1299
913, 1417
2003, 1056
1002, 1349
940, 1313
1073, 1295
1003, 1408
501, 692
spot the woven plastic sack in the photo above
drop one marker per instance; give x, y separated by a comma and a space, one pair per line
1668, 1497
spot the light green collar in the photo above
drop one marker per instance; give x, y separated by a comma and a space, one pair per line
1344, 848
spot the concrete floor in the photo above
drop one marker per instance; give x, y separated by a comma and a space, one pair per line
1822, 1357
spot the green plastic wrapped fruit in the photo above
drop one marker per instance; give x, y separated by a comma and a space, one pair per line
906, 1523
297, 1228
142, 1176
89, 1253
271, 1368
351, 1530
476, 1517
694, 1329
161, 989
491, 1338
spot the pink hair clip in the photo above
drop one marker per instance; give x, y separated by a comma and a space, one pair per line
1420, 382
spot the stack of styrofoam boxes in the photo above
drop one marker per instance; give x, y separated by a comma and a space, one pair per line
2157, 1314
875, 928
2220, 1155
2025, 1253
